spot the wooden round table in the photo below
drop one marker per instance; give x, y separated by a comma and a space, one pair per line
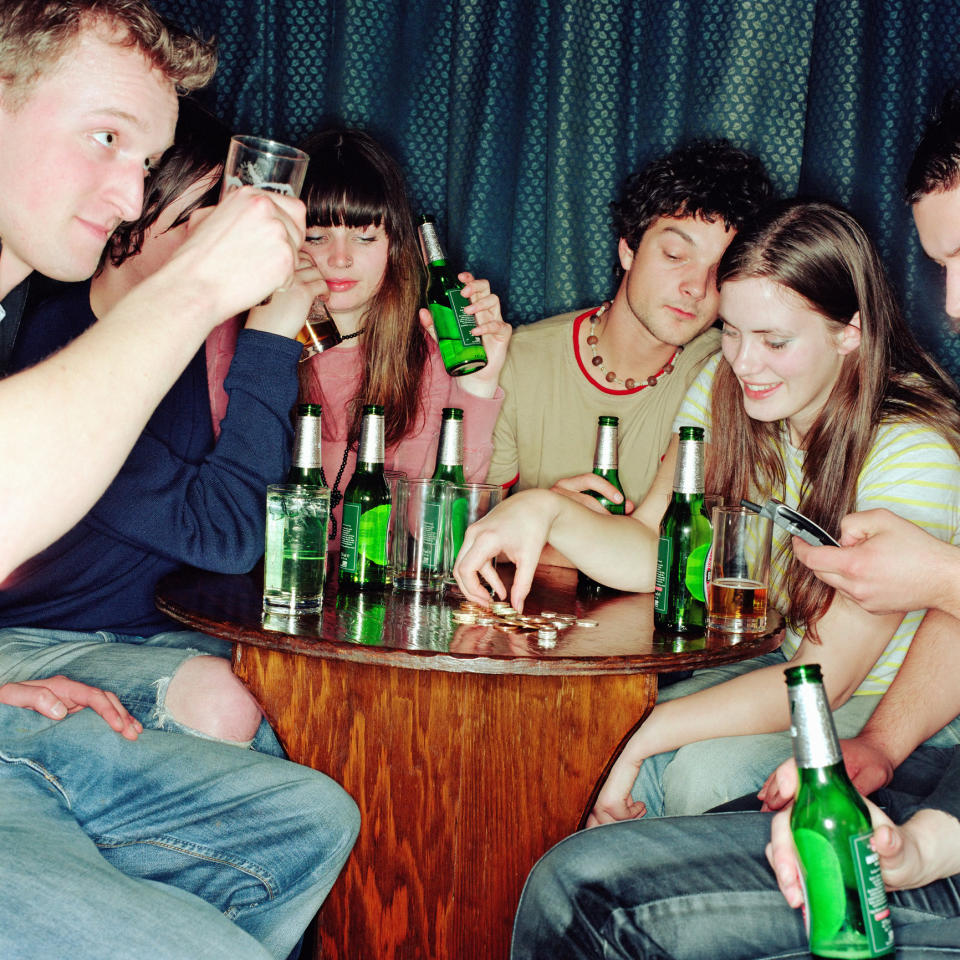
470, 750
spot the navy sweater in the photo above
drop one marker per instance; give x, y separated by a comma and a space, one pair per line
178, 498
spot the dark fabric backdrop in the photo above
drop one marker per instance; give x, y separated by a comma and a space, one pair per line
516, 120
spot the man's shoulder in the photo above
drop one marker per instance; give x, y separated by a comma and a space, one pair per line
555, 327
701, 348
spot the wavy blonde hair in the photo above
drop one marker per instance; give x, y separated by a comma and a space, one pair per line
36, 34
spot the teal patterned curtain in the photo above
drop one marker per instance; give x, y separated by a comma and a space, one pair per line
516, 120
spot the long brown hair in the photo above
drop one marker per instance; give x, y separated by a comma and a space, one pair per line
822, 254
353, 182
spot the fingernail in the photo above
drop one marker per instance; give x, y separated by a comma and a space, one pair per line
58, 710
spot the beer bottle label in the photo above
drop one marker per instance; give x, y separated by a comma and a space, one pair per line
372, 533
432, 543
697, 576
873, 895
661, 586
348, 537
459, 521
451, 321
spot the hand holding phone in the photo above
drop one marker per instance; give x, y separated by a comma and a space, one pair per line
793, 522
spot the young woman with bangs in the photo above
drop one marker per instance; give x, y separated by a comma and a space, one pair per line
361, 239
821, 398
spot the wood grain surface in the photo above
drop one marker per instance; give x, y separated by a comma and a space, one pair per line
469, 751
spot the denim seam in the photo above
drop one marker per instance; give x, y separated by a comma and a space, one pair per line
198, 852
43, 772
654, 909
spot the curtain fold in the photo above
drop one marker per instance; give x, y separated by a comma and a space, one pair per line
516, 120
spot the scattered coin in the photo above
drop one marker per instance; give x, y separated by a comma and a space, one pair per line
464, 616
587, 623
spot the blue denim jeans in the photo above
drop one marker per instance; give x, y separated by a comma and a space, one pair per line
151, 848
708, 773
137, 669
155, 841
692, 888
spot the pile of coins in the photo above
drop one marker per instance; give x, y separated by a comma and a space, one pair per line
501, 616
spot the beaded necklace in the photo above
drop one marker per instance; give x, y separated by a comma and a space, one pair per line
609, 375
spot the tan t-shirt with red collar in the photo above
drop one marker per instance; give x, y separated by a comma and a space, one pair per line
547, 428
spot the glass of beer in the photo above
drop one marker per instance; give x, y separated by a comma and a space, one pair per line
740, 571
319, 333
265, 164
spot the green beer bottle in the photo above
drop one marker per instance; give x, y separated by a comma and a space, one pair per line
846, 904
606, 465
684, 528
450, 448
449, 468
307, 467
366, 510
605, 461
462, 352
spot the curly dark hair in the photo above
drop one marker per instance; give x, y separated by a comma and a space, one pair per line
710, 179
936, 161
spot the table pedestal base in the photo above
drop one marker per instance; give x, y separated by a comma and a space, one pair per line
463, 781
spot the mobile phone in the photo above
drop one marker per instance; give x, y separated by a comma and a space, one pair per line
793, 522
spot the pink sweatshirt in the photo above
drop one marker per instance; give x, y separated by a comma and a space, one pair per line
334, 380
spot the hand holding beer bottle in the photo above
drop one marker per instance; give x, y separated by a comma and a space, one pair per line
605, 465
598, 489
461, 350
464, 316
845, 900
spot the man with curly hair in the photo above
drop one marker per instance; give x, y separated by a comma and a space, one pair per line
635, 356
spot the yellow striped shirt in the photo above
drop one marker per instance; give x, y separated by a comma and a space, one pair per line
910, 469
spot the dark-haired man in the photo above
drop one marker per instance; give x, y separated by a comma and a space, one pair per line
633, 357
695, 887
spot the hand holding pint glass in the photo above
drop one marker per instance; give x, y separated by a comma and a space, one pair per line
266, 165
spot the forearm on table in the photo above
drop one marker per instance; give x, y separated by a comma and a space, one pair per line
924, 696
88, 404
617, 551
